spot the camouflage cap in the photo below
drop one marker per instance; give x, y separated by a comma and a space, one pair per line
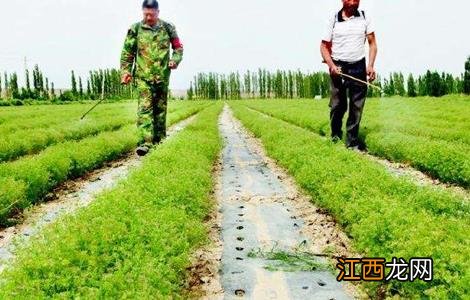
150, 4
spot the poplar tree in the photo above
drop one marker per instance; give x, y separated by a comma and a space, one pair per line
74, 84
466, 77
46, 91
13, 86
5, 82
80, 87
411, 86
52, 90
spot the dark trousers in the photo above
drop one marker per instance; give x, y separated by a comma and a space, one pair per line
341, 88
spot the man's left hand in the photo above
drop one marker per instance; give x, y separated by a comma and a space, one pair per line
172, 65
371, 73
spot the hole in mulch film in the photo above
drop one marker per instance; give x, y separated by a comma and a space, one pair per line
237, 272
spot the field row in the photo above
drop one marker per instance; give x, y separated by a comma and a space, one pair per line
47, 116
437, 145
134, 241
33, 116
385, 216
33, 133
29, 179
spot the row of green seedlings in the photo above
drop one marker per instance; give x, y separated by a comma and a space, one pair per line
385, 216
418, 118
445, 160
46, 116
31, 141
421, 118
136, 240
26, 181
48, 128
57, 116
30, 134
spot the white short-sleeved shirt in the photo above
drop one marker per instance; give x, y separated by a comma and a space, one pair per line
348, 36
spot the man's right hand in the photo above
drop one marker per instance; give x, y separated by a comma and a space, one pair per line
335, 70
126, 78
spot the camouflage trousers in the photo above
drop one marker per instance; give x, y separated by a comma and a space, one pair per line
151, 112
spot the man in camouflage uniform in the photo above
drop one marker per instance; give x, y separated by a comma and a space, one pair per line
146, 58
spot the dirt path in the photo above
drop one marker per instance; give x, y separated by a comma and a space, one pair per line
272, 237
420, 178
71, 196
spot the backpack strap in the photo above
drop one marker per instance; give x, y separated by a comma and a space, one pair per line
167, 28
363, 14
336, 20
137, 30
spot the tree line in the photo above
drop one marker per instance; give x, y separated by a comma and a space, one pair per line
296, 84
430, 84
259, 84
98, 84
39, 88
252, 84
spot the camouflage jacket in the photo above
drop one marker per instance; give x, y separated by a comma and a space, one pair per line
146, 51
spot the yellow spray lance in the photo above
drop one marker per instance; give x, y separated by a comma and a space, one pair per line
360, 80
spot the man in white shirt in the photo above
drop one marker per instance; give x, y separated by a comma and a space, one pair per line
343, 49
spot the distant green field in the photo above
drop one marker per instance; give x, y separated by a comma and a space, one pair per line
432, 135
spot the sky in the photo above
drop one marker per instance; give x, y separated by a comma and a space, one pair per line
224, 36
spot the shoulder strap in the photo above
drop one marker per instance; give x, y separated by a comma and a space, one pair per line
139, 25
167, 28
136, 27
137, 30
335, 21
363, 14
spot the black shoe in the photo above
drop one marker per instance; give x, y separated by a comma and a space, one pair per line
335, 139
142, 151
352, 144
361, 146
354, 148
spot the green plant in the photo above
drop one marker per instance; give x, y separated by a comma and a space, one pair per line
417, 132
134, 241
